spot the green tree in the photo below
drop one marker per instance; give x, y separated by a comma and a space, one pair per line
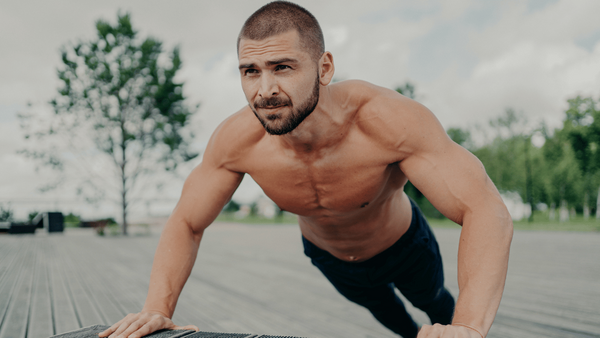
461, 136
231, 206
407, 89
119, 92
582, 129
6, 214
73, 220
511, 161
562, 177
31, 216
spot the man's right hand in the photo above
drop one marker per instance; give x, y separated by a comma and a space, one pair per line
205, 192
137, 325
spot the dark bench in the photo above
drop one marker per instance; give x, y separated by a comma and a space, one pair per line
92, 332
51, 221
21, 228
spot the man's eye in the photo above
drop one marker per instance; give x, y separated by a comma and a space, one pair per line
250, 71
281, 67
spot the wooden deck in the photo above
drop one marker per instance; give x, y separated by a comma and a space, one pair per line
255, 279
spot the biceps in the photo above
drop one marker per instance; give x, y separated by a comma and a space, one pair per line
204, 194
452, 179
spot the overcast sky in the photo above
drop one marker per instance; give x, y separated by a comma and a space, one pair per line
468, 59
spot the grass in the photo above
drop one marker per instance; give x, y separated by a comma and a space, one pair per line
573, 225
578, 224
287, 218
540, 223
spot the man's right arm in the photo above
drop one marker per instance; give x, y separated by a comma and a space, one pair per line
205, 192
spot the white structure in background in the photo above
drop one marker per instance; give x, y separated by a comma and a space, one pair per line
265, 207
517, 209
563, 212
552, 212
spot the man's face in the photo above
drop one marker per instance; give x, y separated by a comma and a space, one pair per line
280, 81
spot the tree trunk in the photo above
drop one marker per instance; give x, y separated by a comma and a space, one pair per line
528, 178
586, 207
124, 207
123, 175
598, 205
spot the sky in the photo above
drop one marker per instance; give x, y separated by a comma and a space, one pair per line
468, 59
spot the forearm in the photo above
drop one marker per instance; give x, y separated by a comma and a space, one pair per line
482, 266
173, 262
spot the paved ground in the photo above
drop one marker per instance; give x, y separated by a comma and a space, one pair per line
255, 279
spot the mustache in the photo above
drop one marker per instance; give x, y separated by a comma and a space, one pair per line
271, 102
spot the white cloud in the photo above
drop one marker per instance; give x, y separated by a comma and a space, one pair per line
526, 60
557, 23
534, 78
452, 10
508, 56
335, 36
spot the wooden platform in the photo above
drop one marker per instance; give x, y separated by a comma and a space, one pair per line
255, 279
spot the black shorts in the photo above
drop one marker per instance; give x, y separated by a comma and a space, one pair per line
413, 265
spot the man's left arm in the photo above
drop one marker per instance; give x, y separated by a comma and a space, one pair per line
456, 183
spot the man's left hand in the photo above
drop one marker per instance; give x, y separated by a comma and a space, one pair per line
446, 331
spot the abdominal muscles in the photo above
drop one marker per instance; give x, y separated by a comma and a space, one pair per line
345, 211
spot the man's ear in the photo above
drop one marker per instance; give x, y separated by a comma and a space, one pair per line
326, 68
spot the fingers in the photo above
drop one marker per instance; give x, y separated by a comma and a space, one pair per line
431, 331
140, 332
115, 326
187, 327
445, 331
111, 329
126, 324
138, 325
126, 331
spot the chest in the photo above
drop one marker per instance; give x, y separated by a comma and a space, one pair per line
337, 180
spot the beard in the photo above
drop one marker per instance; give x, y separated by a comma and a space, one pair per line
296, 116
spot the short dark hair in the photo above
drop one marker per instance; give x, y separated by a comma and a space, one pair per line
278, 17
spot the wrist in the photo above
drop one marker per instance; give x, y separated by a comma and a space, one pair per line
470, 328
156, 311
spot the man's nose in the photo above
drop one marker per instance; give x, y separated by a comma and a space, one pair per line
268, 86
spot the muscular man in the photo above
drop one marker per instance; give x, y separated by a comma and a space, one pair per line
338, 156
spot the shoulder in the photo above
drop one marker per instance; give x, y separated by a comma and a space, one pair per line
372, 101
395, 122
234, 138
355, 92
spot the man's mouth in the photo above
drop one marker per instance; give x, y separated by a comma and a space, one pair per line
273, 107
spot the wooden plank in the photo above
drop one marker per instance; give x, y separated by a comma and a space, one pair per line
17, 316
550, 287
63, 308
256, 279
126, 288
7, 246
247, 283
11, 258
86, 312
91, 276
40, 323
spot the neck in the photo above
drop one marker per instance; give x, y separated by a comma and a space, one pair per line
321, 129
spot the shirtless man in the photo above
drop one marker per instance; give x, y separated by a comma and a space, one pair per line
338, 156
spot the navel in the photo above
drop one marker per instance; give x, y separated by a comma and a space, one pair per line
364, 204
